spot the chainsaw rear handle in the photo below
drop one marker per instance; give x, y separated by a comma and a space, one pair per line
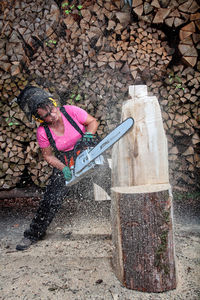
82, 145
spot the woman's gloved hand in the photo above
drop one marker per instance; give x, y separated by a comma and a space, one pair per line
88, 137
67, 173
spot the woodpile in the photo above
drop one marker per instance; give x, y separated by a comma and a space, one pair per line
19, 149
190, 41
86, 54
24, 27
177, 15
136, 49
179, 99
12, 153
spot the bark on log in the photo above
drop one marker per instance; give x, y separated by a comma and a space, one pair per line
142, 233
141, 213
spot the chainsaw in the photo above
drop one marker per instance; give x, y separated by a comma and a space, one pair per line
91, 157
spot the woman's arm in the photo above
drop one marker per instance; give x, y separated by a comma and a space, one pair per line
91, 124
51, 159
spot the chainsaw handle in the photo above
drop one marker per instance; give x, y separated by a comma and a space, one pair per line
82, 145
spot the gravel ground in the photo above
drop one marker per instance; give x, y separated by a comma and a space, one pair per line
74, 260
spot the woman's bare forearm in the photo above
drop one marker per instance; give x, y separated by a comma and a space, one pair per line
52, 159
54, 162
91, 124
92, 127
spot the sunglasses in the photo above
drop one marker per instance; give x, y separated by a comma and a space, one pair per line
48, 113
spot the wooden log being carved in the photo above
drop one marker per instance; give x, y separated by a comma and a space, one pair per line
141, 156
143, 238
141, 209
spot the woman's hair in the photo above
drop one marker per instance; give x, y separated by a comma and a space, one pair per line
46, 104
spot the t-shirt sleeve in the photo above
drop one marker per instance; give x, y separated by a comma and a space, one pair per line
77, 113
42, 137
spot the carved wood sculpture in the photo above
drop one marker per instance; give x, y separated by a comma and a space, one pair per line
141, 214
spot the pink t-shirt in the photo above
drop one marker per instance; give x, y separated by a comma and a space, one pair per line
67, 141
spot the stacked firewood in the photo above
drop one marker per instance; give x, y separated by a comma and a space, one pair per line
38, 169
19, 149
97, 42
190, 41
24, 26
88, 54
179, 99
13, 134
181, 15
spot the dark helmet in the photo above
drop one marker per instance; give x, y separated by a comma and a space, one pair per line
30, 98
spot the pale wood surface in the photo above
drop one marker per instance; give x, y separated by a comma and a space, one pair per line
147, 188
99, 193
141, 156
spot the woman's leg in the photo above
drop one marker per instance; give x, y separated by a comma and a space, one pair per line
52, 200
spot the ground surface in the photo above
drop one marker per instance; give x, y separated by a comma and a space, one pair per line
74, 261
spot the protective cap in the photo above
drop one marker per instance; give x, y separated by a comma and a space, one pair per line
29, 99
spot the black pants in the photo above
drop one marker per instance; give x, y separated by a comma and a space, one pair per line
55, 193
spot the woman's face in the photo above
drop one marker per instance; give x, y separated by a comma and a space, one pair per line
50, 114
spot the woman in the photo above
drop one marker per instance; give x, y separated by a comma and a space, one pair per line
56, 137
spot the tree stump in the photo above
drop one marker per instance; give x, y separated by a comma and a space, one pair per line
141, 203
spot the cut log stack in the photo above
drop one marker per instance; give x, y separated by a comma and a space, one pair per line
88, 53
21, 34
179, 99
181, 15
100, 43
19, 149
38, 169
190, 41
12, 150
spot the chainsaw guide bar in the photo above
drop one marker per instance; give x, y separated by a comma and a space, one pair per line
92, 156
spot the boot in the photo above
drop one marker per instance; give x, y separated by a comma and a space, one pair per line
24, 244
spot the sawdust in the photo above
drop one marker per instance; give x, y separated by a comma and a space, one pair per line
74, 260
